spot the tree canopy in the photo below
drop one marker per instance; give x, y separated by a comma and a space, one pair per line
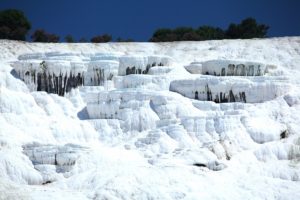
210, 33
13, 25
248, 28
41, 35
101, 38
69, 38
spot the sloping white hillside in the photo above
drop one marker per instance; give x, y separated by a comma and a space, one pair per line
182, 120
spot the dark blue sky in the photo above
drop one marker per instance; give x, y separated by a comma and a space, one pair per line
138, 19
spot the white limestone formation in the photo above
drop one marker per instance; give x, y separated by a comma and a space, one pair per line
58, 73
142, 81
104, 56
132, 108
52, 160
228, 68
194, 68
94, 141
141, 64
160, 70
52, 76
222, 89
100, 71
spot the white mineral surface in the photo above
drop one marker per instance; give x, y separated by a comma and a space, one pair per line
150, 120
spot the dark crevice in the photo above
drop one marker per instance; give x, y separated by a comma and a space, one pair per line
200, 165
60, 84
238, 70
134, 70
284, 134
47, 182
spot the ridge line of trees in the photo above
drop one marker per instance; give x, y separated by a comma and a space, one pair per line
248, 28
15, 26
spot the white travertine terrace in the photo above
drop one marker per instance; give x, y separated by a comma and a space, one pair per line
56, 72
228, 68
235, 89
117, 140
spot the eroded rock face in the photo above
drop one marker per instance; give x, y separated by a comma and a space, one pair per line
228, 68
222, 90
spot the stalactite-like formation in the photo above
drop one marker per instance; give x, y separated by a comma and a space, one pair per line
221, 97
228, 68
135, 70
224, 89
238, 70
58, 73
57, 84
99, 76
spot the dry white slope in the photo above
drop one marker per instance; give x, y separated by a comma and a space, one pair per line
149, 148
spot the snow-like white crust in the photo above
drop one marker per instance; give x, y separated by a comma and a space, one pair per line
131, 107
145, 136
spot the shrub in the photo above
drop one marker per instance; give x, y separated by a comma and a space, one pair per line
163, 35
41, 36
210, 33
101, 38
191, 36
248, 28
181, 31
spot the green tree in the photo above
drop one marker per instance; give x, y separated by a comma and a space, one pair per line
191, 36
69, 38
187, 34
234, 31
101, 38
210, 33
13, 25
248, 28
163, 35
41, 35
181, 31
53, 38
